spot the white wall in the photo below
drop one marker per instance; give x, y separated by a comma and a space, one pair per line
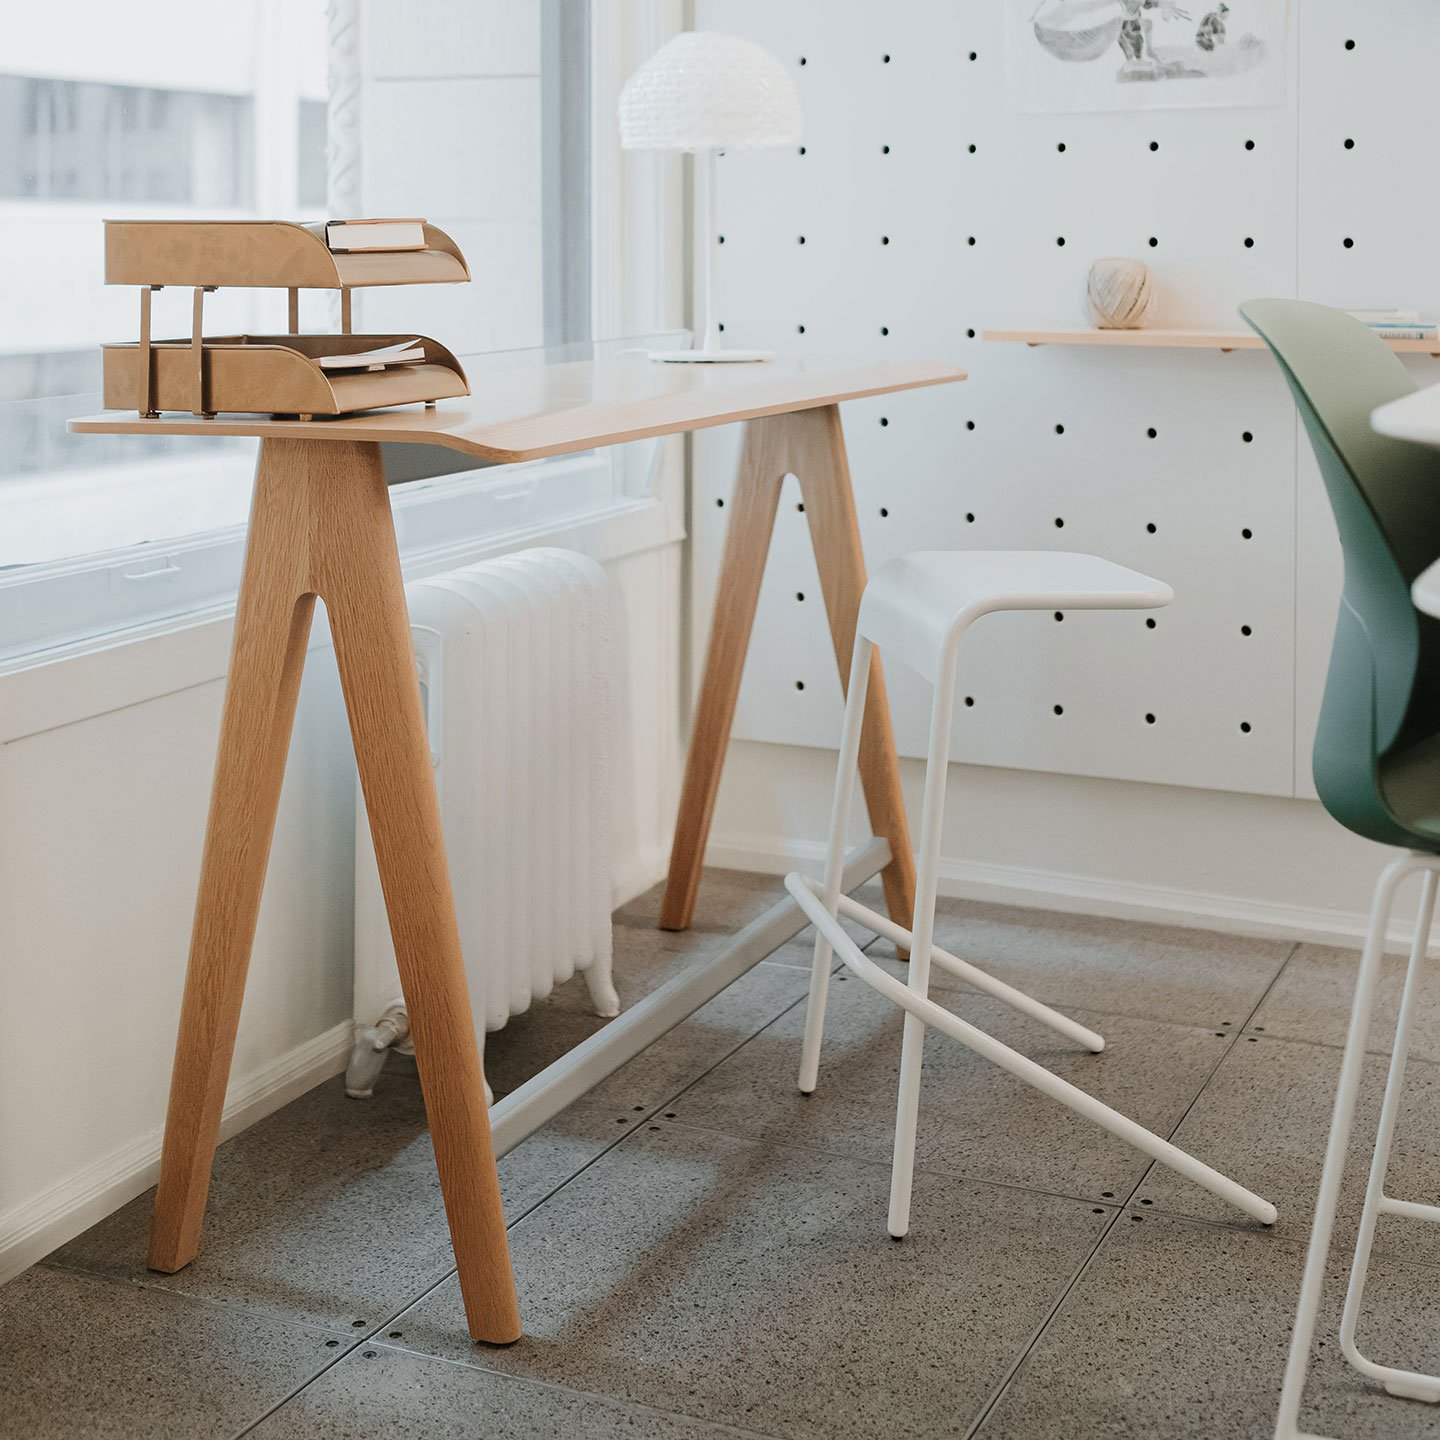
911, 136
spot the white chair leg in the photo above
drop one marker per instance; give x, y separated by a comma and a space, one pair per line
835, 859
1326, 1201
1409, 1383
922, 929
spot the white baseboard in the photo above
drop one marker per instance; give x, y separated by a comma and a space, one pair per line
1085, 895
31, 1230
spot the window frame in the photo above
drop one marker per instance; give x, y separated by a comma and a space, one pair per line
635, 224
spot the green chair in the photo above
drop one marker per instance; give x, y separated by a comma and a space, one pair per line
1377, 749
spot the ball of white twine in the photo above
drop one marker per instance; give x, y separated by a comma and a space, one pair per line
1119, 294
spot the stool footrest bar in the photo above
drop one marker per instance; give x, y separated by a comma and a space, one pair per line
972, 974
1021, 1066
1410, 1209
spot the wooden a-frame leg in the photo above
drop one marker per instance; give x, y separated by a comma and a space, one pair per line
357, 573
810, 445
321, 524
823, 469
272, 625
753, 504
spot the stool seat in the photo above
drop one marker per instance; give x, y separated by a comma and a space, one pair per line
919, 604
915, 609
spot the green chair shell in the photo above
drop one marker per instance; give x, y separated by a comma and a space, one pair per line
1377, 749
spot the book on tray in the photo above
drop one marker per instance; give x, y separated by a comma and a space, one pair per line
355, 236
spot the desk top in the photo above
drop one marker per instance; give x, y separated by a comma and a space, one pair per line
534, 411
1412, 417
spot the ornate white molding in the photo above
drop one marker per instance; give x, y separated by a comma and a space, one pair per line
342, 120
342, 137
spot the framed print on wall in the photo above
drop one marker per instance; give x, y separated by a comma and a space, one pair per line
1077, 55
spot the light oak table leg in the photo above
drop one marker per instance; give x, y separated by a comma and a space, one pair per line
810, 445
272, 624
321, 525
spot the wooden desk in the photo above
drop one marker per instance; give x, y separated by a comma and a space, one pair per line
321, 525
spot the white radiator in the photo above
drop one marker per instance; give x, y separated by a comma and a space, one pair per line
514, 657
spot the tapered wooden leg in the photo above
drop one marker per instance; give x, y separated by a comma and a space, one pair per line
823, 469
357, 573
742, 567
321, 524
272, 623
811, 446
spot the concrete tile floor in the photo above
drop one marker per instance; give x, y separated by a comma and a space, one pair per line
702, 1253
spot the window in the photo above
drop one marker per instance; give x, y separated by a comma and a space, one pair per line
81, 140
111, 111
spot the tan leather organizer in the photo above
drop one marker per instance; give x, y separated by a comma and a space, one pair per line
274, 374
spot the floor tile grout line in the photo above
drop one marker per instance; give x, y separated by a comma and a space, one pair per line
1119, 1208
341, 1354
967, 1177
650, 1113
316, 1328
1297, 1242
1370, 1052
1215, 1069
620, 1139
923, 1169
950, 986
995, 1396
529, 1210
524, 1381
1126, 1207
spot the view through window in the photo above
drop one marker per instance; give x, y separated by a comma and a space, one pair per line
116, 111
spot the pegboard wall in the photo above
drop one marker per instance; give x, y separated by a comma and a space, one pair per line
920, 211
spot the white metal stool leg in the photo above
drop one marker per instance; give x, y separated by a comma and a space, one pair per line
1021, 1066
1409, 1383
922, 928
835, 859
1327, 1200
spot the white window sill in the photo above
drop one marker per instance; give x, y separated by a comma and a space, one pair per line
64, 606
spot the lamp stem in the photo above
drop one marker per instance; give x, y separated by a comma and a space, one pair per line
705, 319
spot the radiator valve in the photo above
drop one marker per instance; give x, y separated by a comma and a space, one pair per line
390, 1032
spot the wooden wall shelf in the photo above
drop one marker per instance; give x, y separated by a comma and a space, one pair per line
1157, 339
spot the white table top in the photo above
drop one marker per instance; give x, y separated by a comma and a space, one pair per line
540, 410
1412, 417
1425, 592
1416, 417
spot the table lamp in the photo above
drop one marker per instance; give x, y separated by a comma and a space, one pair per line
704, 92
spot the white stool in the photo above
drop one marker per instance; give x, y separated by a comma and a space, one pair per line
916, 609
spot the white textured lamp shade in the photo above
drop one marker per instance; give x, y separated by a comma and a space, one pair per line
707, 91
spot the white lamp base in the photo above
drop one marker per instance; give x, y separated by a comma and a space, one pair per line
711, 357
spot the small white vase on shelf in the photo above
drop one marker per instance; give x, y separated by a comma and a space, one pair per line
1119, 294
